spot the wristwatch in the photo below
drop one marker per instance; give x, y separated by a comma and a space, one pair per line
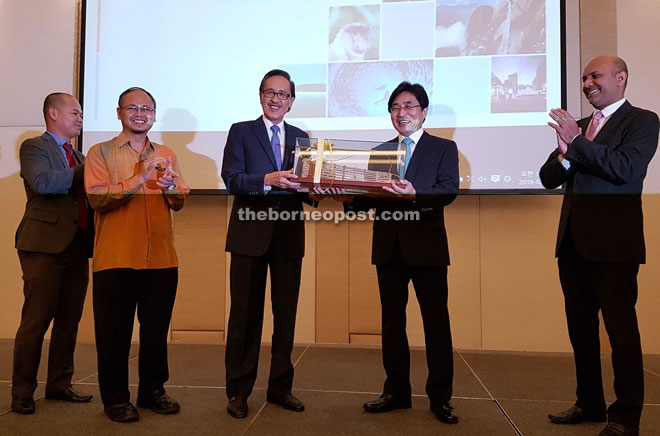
172, 187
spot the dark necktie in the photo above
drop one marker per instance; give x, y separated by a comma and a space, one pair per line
80, 192
275, 144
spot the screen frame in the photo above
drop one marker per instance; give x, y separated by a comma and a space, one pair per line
219, 191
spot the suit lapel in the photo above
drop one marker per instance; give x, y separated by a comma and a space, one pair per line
55, 149
417, 157
612, 124
584, 123
79, 156
289, 147
259, 128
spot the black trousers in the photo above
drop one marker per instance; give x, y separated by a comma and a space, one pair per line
117, 294
54, 286
246, 316
430, 285
590, 287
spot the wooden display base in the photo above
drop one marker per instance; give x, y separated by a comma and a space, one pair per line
350, 180
349, 187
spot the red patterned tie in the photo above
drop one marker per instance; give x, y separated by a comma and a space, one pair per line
80, 193
592, 128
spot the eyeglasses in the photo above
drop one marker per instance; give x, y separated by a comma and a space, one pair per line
139, 108
407, 107
269, 93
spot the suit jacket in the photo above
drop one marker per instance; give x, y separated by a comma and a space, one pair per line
433, 171
602, 204
248, 157
50, 221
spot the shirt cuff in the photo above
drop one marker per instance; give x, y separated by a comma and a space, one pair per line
267, 189
565, 162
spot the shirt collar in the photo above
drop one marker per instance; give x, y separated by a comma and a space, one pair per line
121, 140
60, 141
609, 110
269, 123
415, 136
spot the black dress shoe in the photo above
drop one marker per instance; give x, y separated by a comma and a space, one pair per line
387, 402
444, 411
288, 401
22, 405
576, 415
614, 429
69, 394
159, 402
122, 412
237, 407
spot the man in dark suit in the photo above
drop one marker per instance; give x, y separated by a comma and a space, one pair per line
602, 161
54, 241
414, 250
256, 168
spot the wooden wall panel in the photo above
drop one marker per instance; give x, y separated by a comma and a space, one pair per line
197, 336
648, 301
199, 234
462, 222
364, 299
523, 306
332, 282
362, 339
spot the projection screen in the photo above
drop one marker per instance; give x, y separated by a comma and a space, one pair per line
492, 69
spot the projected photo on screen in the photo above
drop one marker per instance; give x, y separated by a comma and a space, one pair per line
491, 68
518, 84
488, 27
354, 33
362, 89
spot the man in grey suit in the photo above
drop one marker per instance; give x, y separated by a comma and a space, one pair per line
54, 242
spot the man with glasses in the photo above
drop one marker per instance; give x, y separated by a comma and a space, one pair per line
54, 241
414, 250
256, 168
133, 184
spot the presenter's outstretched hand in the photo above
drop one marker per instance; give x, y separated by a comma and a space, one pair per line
403, 187
282, 179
